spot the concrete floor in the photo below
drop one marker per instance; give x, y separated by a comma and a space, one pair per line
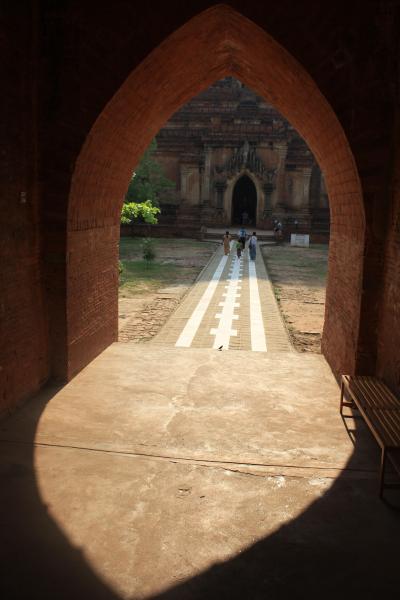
170, 473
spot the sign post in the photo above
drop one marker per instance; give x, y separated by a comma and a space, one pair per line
300, 239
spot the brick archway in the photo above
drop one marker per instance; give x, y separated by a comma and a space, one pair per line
217, 43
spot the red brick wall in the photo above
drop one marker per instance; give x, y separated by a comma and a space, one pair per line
82, 53
23, 324
389, 325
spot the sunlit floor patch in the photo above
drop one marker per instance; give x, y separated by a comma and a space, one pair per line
154, 492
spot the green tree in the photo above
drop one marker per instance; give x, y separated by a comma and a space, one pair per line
132, 211
148, 181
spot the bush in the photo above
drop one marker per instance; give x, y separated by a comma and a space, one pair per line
149, 252
134, 211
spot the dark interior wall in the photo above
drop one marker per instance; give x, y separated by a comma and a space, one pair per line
63, 63
389, 325
374, 151
24, 362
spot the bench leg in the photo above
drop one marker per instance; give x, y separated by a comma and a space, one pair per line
341, 397
343, 402
382, 472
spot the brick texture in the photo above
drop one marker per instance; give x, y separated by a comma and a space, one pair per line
389, 325
23, 323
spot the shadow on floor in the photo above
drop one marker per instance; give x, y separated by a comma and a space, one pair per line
345, 545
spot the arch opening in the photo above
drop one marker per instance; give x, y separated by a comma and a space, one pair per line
217, 43
244, 202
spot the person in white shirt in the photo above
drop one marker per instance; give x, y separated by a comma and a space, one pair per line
253, 246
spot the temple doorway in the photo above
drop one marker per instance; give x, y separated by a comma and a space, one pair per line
244, 202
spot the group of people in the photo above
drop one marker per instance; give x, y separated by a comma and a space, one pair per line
278, 230
241, 243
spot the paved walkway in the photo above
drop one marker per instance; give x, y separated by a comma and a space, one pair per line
232, 306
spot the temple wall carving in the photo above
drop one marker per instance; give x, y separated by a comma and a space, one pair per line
228, 132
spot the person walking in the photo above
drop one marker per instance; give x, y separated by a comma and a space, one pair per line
242, 237
239, 248
227, 243
253, 246
278, 231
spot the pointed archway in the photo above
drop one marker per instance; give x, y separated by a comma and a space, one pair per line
217, 43
244, 202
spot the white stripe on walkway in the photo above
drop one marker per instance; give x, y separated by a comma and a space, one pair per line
224, 330
258, 341
189, 331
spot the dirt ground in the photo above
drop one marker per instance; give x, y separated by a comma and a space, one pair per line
150, 292
299, 278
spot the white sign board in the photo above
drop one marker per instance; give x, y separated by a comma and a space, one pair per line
300, 239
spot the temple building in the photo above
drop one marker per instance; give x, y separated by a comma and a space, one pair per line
235, 160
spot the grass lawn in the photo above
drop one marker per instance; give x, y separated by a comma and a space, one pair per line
288, 264
177, 262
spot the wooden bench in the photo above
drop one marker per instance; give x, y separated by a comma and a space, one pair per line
381, 412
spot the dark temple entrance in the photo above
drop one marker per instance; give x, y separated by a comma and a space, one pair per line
244, 202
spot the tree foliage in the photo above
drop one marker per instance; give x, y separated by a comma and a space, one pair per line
132, 211
148, 180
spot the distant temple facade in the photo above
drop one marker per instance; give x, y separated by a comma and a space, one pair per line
235, 159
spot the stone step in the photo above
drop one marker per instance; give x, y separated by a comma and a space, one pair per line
267, 237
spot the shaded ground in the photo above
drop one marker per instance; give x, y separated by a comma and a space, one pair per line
299, 279
149, 292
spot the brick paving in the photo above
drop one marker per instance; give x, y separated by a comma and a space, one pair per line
147, 319
230, 309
